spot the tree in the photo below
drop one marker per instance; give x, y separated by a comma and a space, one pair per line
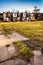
36, 10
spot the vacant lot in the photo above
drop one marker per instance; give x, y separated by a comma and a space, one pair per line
32, 30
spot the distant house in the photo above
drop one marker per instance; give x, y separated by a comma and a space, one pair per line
1, 16
41, 16
21, 16
28, 16
14, 16
32, 16
6, 16
38, 16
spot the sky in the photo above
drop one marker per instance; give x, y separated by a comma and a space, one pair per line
21, 5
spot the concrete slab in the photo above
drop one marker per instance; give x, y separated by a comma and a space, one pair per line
18, 37
12, 38
14, 62
38, 58
7, 52
4, 54
12, 49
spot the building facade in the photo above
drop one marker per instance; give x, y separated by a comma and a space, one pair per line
20, 16
6, 16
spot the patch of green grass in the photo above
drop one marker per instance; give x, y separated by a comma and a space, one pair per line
6, 30
15, 56
23, 51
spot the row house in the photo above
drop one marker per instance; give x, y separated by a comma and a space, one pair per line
6, 16
38, 16
32, 17
41, 18
20, 16
14, 16
28, 16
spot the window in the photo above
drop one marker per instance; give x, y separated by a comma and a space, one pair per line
14, 14
24, 14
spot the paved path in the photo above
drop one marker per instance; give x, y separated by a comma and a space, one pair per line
38, 58
14, 37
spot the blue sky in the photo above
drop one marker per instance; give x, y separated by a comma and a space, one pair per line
20, 5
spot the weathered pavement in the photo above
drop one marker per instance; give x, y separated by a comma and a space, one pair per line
38, 58
13, 38
14, 62
8, 52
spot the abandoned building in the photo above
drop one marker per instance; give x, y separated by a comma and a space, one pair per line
6, 16
20, 16
15, 16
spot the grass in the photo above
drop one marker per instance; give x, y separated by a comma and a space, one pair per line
23, 51
33, 30
22, 48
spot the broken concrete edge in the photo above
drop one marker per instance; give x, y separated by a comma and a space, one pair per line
23, 41
7, 34
9, 59
15, 61
6, 60
11, 56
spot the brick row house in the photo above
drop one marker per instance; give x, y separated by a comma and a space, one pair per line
20, 16
6, 16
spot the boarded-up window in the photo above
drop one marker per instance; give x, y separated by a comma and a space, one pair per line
24, 14
14, 14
